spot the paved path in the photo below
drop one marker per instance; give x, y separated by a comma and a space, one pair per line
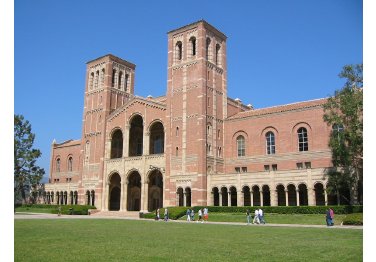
22, 215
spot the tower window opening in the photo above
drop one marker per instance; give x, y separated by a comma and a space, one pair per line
113, 77
119, 81
192, 41
217, 55
179, 50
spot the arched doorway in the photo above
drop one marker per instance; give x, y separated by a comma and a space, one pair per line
303, 195
234, 197
292, 194
247, 196
281, 195
215, 196
256, 196
115, 192
224, 196
188, 195
265, 195
155, 190
319, 194
180, 197
134, 192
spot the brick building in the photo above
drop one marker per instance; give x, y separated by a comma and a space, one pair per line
193, 146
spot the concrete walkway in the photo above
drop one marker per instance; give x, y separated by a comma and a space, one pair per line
19, 215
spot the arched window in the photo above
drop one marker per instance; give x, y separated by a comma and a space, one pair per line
126, 82
113, 77
96, 79
102, 77
179, 51
177, 131
70, 164
217, 55
117, 144
192, 42
119, 81
156, 138
240, 145
303, 139
91, 81
270, 143
208, 48
177, 151
58, 165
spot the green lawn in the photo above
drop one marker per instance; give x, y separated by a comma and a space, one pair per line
303, 219
132, 240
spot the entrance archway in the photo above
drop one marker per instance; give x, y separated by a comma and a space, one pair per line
134, 192
115, 192
155, 193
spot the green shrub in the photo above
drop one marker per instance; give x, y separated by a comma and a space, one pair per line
174, 213
77, 209
353, 219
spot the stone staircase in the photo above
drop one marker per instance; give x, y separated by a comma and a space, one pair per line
125, 214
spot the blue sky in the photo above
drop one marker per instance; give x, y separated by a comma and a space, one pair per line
291, 50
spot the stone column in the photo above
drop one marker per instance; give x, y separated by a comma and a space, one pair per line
184, 199
144, 196
106, 193
146, 144
287, 197
273, 197
126, 141
251, 194
121, 194
311, 196
220, 198
177, 199
326, 197
124, 199
261, 198
239, 198
229, 198
297, 198
211, 198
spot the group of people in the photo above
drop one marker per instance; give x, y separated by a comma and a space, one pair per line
158, 215
329, 217
257, 219
203, 215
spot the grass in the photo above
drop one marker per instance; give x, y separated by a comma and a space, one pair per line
132, 240
302, 219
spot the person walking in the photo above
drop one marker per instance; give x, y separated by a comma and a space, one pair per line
158, 214
331, 212
327, 218
192, 215
166, 214
59, 211
206, 214
256, 218
188, 215
199, 215
261, 216
248, 214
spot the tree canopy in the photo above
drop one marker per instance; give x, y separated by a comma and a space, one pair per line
26, 173
344, 113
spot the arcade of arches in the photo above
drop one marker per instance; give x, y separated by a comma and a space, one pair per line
128, 196
263, 195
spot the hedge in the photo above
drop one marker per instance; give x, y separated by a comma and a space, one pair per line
65, 209
353, 219
177, 212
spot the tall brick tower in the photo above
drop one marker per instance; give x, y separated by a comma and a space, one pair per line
196, 108
109, 85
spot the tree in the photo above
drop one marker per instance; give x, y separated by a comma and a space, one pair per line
344, 113
26, 173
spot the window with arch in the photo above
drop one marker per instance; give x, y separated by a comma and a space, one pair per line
217, 55
58, 165
177, 131
96, 79
113, 78
192, 42
177, 151
120, 80
208, 48
240, 145
91, 84
179, 51
126, 82
270, 143
102, 77
70, 164
302, 139
117, 144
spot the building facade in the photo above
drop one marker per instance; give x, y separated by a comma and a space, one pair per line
193, 146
